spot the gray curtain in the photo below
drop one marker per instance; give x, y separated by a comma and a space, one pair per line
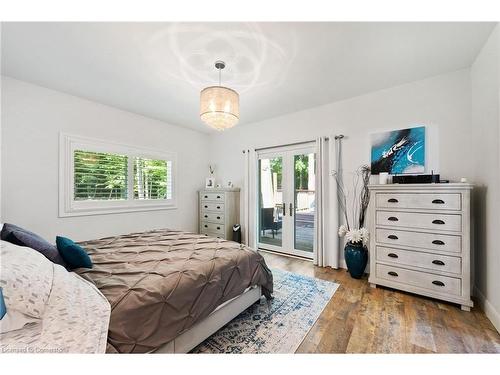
327, 249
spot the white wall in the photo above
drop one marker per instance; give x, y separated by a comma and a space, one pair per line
441, 103
485, 85
33, 116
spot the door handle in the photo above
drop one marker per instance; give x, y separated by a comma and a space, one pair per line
441, 222
284, 209
291, 209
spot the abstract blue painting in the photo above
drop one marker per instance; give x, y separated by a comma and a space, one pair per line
399, 151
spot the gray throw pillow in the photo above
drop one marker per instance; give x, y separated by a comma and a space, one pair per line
22, 237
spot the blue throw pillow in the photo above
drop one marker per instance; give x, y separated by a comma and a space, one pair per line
74, 255
3, 308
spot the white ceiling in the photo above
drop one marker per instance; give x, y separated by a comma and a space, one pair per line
158, 69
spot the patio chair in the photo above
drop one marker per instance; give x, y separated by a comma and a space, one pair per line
267, 221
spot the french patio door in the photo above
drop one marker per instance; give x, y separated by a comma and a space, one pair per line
286, 199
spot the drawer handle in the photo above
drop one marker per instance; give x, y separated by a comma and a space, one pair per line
392, 237
392, 273
438, 201
206, 216
392, 200
206, 226
392, 218
392, 255
438, 262
437, 221
438, 283
218, 207
218, 217
218, 228
206, 206
218, 196
438, 242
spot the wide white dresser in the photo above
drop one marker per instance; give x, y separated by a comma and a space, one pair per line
420, 239
219, 211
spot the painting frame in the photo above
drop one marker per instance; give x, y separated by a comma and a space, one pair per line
401, 151
210, 183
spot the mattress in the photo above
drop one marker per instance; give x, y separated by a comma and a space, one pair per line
162, 282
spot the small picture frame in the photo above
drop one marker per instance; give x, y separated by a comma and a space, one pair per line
209, 183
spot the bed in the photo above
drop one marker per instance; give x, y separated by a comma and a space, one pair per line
169, 290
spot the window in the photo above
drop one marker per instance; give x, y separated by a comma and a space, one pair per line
98, 177
152, 179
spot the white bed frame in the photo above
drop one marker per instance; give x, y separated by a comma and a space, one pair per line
212, 323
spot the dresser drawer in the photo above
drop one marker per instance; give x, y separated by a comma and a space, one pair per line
219, 197
436, 283
419, 220
210, 206
212, 227
210, 234
431, 241
436, 201
417, 259
212, 217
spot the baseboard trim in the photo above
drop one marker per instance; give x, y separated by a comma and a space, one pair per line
492, 314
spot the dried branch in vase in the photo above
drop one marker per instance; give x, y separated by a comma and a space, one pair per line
359, 204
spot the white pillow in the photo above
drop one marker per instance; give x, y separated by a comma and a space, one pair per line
26, 279
13, 320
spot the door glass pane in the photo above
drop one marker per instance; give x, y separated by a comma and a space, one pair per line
271, 201
304, 181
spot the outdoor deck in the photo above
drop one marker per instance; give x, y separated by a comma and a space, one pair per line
304, 233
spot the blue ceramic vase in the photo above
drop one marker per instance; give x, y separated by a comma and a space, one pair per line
356, 257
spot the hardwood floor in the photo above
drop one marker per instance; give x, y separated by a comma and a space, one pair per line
361, 319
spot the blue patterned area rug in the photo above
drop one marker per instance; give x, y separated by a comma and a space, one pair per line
276, 328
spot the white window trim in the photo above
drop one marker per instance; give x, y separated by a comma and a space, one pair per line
69, 207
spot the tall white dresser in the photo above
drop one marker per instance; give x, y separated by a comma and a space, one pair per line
420, 239
219, 211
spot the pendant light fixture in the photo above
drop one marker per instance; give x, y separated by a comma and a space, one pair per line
219, 105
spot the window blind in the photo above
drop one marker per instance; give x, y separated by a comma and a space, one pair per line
152, 179
100, 176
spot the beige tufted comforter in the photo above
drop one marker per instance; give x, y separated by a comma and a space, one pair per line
160, 283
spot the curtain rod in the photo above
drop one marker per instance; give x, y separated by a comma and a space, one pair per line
340, 136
